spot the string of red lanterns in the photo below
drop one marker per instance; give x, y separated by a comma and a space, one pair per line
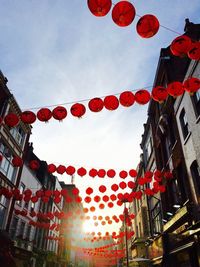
179, 47
123, 14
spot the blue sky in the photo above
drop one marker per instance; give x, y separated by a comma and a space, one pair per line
57, 51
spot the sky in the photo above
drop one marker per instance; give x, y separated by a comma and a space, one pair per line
55, 52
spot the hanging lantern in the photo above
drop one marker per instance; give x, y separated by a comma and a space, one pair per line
101, 173
89, 191
133, 173
27, 192
17, 161
99, 8
111, 102
48, 193
78, 199
11, 120
70, 170
147, 26
131, 184
44, 114
81, 171
96, 104
127, 99
101, 206
159, 94
59, 113
181, 46
92, 209
111, 173
56, 193
75, 191
28, 117
175, 89
123, 174
114, 187
102, 188
51, 168
93, 173
97, 199
192, 85
105, 198
34, 199
113, 197
142, 97
87, 199
122, 185
110, 204
57, 200
123, 13
194, 52
60, 169
78, 110
39, 193
34, 164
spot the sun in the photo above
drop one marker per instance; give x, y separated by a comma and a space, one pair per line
88, 226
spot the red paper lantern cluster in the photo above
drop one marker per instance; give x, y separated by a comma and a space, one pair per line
183, 46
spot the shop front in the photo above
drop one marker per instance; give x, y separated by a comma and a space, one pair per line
155, 251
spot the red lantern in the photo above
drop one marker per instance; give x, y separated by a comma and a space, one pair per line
92, 209
59, 113
114, 187
131, 184
56, 193
48, 193
113, 197
133, 173
175, 89
111, 173
17, 161
110, 204
192, 85
45, 199
93, 173
159, 93
123, 174
89, 191
122, 185
39, 193
75, 191
78, 199
147, 26
34, 164
102, 188
51, 168
81, 171
27, 192
60, 169
85, 210
28, 117
99, 8
78, 110
105, 198
11, 120
111, 102
57, 200
181, 46
44, 114
97, 199
127, 99
101, 173
123, 13
101, 206
70, 170
142, 97
34, 199
96, 104
194, 52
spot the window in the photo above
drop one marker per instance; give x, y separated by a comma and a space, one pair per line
148, 148
28, 233
13, 227
21, 229
184, 123
6, 166
22, 188
18, 134
2, 215
196, 102
156, 218
195, 171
